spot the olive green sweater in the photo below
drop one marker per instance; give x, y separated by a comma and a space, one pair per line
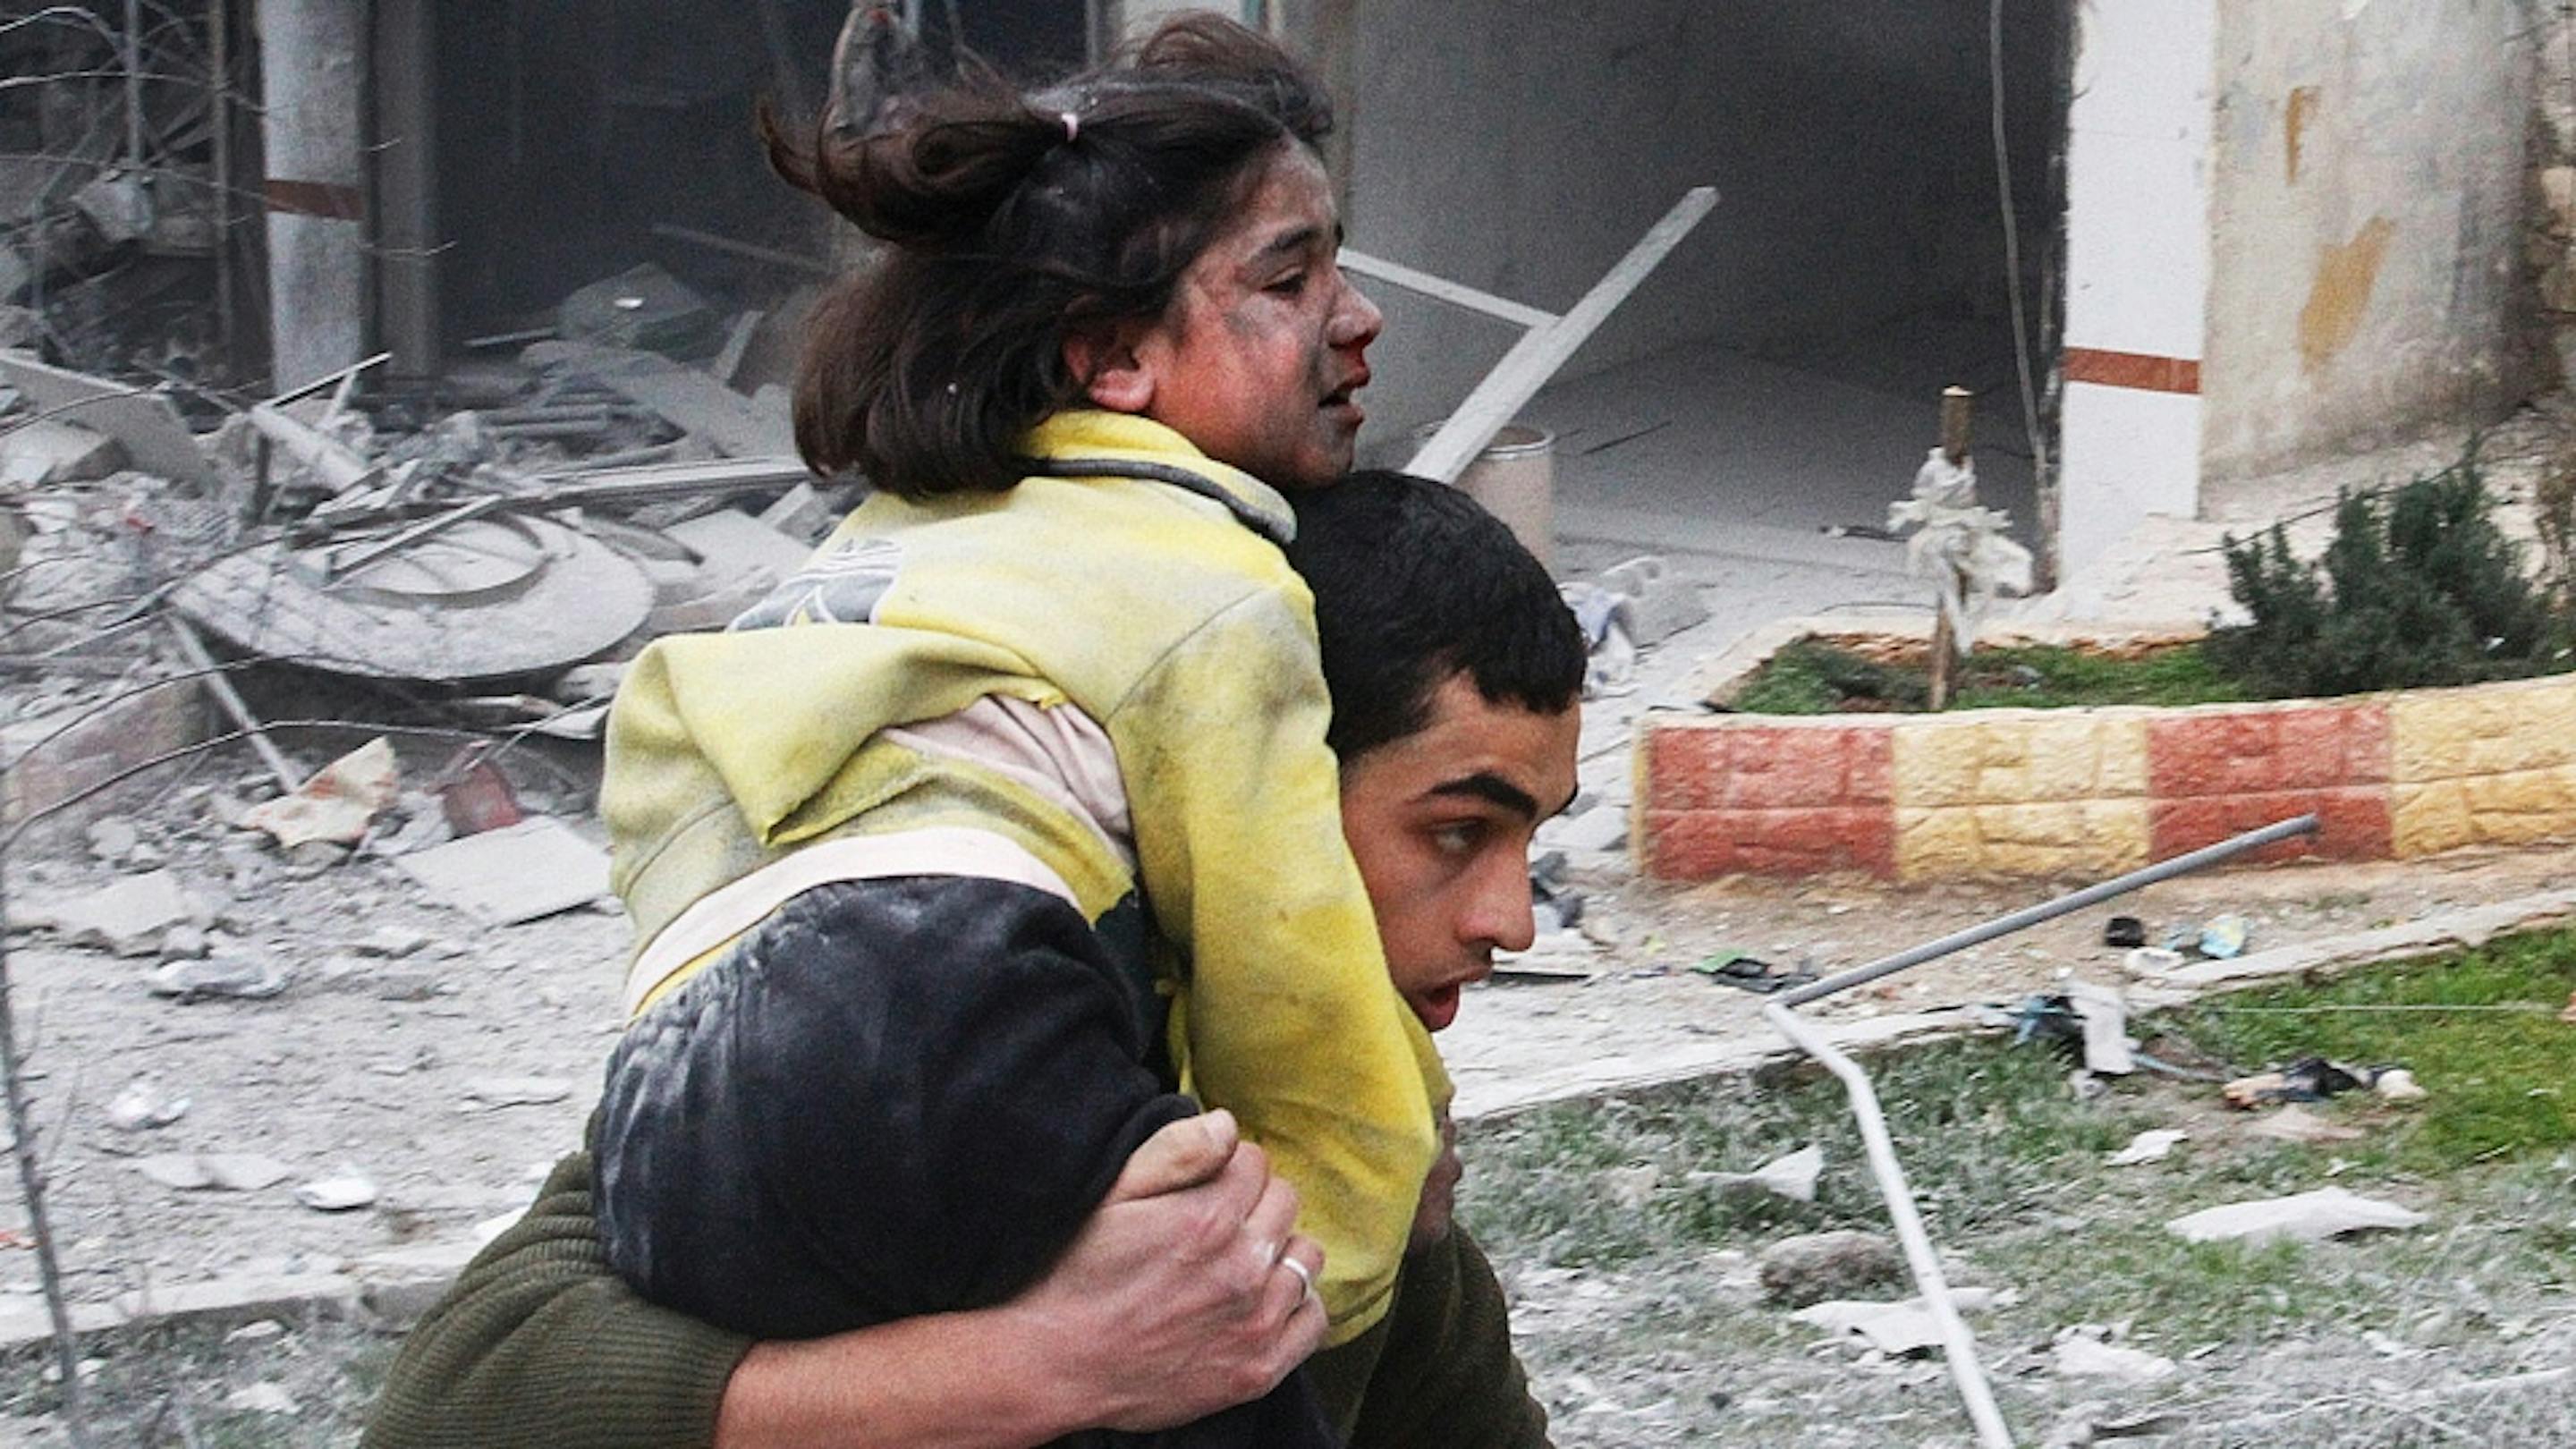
538, 1344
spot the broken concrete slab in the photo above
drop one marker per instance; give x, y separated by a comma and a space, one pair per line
129, 916
2307, 1217
1793, 1176
230, 978
51, 451
735, 549
148, 424
518, 873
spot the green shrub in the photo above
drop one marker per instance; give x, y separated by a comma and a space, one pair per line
2419, 590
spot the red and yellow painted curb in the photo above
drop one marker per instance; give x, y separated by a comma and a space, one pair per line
2077, 792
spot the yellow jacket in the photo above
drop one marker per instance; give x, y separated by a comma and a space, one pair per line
1156, 607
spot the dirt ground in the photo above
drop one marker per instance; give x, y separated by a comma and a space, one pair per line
401, 1017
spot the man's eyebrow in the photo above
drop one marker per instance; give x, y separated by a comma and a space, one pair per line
1492, 788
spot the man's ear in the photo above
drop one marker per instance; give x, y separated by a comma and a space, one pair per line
1109, 360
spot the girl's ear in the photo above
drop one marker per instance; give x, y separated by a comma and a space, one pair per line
1112, 365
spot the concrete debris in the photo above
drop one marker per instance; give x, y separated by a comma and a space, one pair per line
2151, 961
643, 307
2396, 1084
394, 942
1895, 1329
735, 549
2153, 1145
262, 1330
144, 1105
213, 1171
345, 1193
51, 451
219, 979
129, 917
2309, 1217
338, 803
1660, 604
148, 424
1813, 1267
1793, 1176
113, 839
1601, 828
517, 1091
2080, 1355
503, 877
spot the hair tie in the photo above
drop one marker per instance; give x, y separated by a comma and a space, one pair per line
1072, 125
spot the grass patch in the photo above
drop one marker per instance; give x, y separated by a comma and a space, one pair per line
1811, 677
2480, 1030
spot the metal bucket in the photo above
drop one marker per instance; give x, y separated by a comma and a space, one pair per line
1515, 479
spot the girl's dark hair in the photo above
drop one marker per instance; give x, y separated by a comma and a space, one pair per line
926, 370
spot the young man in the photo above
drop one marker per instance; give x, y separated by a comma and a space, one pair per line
1454, 671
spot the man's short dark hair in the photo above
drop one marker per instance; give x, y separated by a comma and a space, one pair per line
1415, 582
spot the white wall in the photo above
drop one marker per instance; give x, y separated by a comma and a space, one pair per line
2137, 270
2367, 222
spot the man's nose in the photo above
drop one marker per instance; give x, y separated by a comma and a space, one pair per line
1499, 913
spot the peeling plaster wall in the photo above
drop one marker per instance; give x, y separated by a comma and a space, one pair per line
1523, 148
2367, 219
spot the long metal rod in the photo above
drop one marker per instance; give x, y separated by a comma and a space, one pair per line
1457, 294
212, 677
1958, 1345
2050, 910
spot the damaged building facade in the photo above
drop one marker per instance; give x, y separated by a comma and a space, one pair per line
2237, 235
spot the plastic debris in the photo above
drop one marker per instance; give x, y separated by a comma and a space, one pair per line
337, 804
2124, 931
2309, 1079
2223, 938
1960, 544
2153, 1145
2309, 1217
1758, 976
2151, 961
1793, 1176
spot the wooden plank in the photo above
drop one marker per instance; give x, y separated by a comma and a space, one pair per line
1457, 294
1539, 354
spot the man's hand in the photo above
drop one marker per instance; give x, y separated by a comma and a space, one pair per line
1177, 1298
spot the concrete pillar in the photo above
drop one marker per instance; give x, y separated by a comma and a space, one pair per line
313, 78
406, 188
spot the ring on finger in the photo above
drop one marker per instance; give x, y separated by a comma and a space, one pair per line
1304, 1277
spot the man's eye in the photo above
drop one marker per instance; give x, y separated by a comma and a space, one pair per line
1288, 286
1458, 839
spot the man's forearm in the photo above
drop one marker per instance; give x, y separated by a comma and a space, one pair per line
948, 1381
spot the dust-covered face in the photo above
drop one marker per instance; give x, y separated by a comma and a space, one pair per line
1265, 341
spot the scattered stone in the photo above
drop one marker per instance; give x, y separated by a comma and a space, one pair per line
341, 1194
143, 1105
1601, 828
2153, 1145
394, 942
216, 1171
408, 985
220, 978
1813, 1267
1632, 1187
113, 839
2307, 1217
264, 1330
2152, 961
184, 943
517, 1091
261, 1398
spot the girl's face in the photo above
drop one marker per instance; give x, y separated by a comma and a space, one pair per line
1265, 342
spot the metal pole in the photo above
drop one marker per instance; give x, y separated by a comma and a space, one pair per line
1959, 1345
2050, 910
